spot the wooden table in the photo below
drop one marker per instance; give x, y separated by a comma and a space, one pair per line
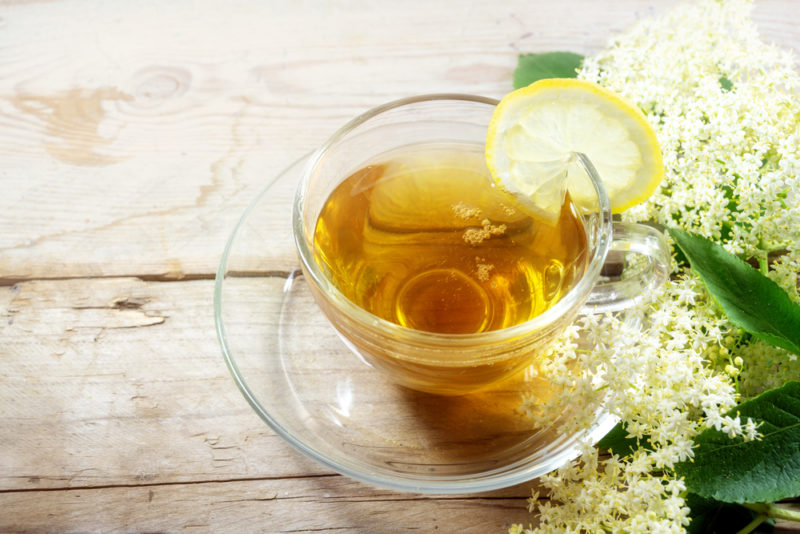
132, 136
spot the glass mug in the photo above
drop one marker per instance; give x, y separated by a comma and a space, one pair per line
458, 363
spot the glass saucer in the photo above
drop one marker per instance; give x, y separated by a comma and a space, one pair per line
321, 398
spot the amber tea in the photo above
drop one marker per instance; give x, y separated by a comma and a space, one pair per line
421, 237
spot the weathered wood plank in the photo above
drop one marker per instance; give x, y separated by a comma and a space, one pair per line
314, 504
119, 381
328, 504
120, 416
127, 376
132, 152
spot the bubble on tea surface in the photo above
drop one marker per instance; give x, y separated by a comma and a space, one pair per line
443, 300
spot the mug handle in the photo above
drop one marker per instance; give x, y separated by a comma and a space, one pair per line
638, 262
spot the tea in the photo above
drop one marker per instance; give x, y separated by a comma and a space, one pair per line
420, 236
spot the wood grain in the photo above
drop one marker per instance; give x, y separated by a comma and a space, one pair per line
312, 504
132, 138
128, 375
89, 425
140, 150
137, 140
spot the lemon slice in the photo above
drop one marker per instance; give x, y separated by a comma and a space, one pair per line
536, 130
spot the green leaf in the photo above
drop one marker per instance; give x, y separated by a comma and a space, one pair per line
534, 67
763, 470
749, 299
618, 442
713, 517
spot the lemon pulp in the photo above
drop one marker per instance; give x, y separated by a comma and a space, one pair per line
535, 131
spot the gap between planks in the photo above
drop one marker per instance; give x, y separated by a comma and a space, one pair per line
10, 281
379, 493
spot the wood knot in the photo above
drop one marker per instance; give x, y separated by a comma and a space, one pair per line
129, 303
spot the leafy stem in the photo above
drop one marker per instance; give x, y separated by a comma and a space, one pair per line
775, 512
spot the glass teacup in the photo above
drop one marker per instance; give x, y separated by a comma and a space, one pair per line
426, 334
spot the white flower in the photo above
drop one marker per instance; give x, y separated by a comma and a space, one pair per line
724, 106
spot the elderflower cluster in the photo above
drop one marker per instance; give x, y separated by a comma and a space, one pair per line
648, 367
764, 367
724, 107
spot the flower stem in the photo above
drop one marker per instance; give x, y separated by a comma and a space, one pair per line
752, 525
763, 264
775, 512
